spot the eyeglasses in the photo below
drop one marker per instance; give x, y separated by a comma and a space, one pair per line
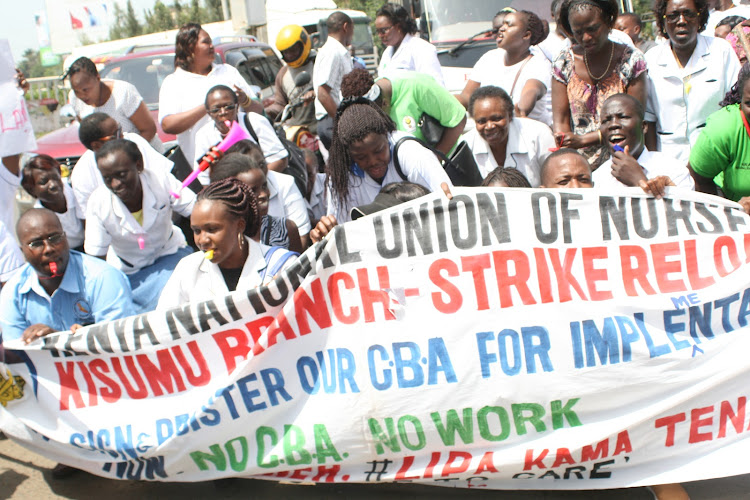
52, 239
673, 17
116, 135
222, 109
383, 31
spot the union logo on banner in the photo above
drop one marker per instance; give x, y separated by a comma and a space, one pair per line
11, 388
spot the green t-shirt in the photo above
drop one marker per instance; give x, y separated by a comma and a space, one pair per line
416, 93
724, 147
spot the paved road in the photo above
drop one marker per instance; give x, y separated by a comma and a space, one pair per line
25, 475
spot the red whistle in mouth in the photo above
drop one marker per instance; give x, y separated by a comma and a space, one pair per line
53, 268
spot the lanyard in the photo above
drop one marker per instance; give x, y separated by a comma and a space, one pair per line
744, 121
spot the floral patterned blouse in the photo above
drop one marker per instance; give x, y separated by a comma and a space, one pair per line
586, 100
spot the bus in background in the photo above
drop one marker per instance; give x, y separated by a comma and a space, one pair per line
462, 35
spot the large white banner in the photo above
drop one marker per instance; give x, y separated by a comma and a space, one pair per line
513, 339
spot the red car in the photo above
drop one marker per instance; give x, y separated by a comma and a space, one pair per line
146, 69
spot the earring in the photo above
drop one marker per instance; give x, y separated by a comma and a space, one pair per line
241, 241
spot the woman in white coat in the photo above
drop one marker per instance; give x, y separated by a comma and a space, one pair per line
502, 140
404, 51
687, 77
223, 217
366, 155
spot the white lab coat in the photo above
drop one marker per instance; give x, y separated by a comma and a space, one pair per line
108, 222
680, 106
195, 278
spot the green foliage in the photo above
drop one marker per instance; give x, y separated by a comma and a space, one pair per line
31, 65
161, 18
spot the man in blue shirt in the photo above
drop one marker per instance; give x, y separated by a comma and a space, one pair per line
58, 289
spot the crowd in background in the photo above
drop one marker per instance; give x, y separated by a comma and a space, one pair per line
589, 104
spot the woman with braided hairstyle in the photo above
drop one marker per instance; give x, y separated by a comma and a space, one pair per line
524, 75
366, 154
223, 219
593, 69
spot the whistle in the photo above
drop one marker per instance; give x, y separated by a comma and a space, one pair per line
618, 148
209, 255
53, 268
141, 243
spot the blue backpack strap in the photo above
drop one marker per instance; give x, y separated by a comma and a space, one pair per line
278, 264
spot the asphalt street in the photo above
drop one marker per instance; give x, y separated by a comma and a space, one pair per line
26, 475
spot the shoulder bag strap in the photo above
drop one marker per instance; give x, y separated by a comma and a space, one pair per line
250, 129
444, 160
528, 58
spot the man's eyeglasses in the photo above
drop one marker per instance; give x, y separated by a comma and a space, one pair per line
673, 17
383, 31
116, 135
52, 239
222, 109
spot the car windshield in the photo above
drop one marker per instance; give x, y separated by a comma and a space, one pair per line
146, 73
444, 22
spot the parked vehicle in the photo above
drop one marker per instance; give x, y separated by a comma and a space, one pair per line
462, 36
146, 69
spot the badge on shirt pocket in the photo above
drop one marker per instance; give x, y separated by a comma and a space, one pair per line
82, 310
409, 124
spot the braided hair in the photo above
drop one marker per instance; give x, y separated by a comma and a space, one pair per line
608, 10
535, 26
734, 96
238, 199
355, 120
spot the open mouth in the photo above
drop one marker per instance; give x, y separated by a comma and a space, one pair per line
616, 139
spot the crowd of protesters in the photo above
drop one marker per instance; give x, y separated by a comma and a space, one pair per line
617, 110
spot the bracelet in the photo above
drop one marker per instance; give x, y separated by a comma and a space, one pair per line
600, 137
247, 101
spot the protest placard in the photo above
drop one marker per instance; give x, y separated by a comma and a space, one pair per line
16, 133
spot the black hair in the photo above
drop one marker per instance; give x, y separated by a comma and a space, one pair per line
660, 10
252, 151
336, 21
734, 96
405, 191
90, 129
356, 83
81, 64
184, 44
632, 15
509, 176
640, 111
222, 88
491, 92
129, 147
238, 199
398, 16
233, 164
608, 10
40, 162
355, 120
535, 26
556, 154
730, 21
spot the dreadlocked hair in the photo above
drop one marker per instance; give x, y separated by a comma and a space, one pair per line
355, 120
356, 83
734, 96
238, 199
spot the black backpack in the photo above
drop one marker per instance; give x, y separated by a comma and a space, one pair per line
296, 166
